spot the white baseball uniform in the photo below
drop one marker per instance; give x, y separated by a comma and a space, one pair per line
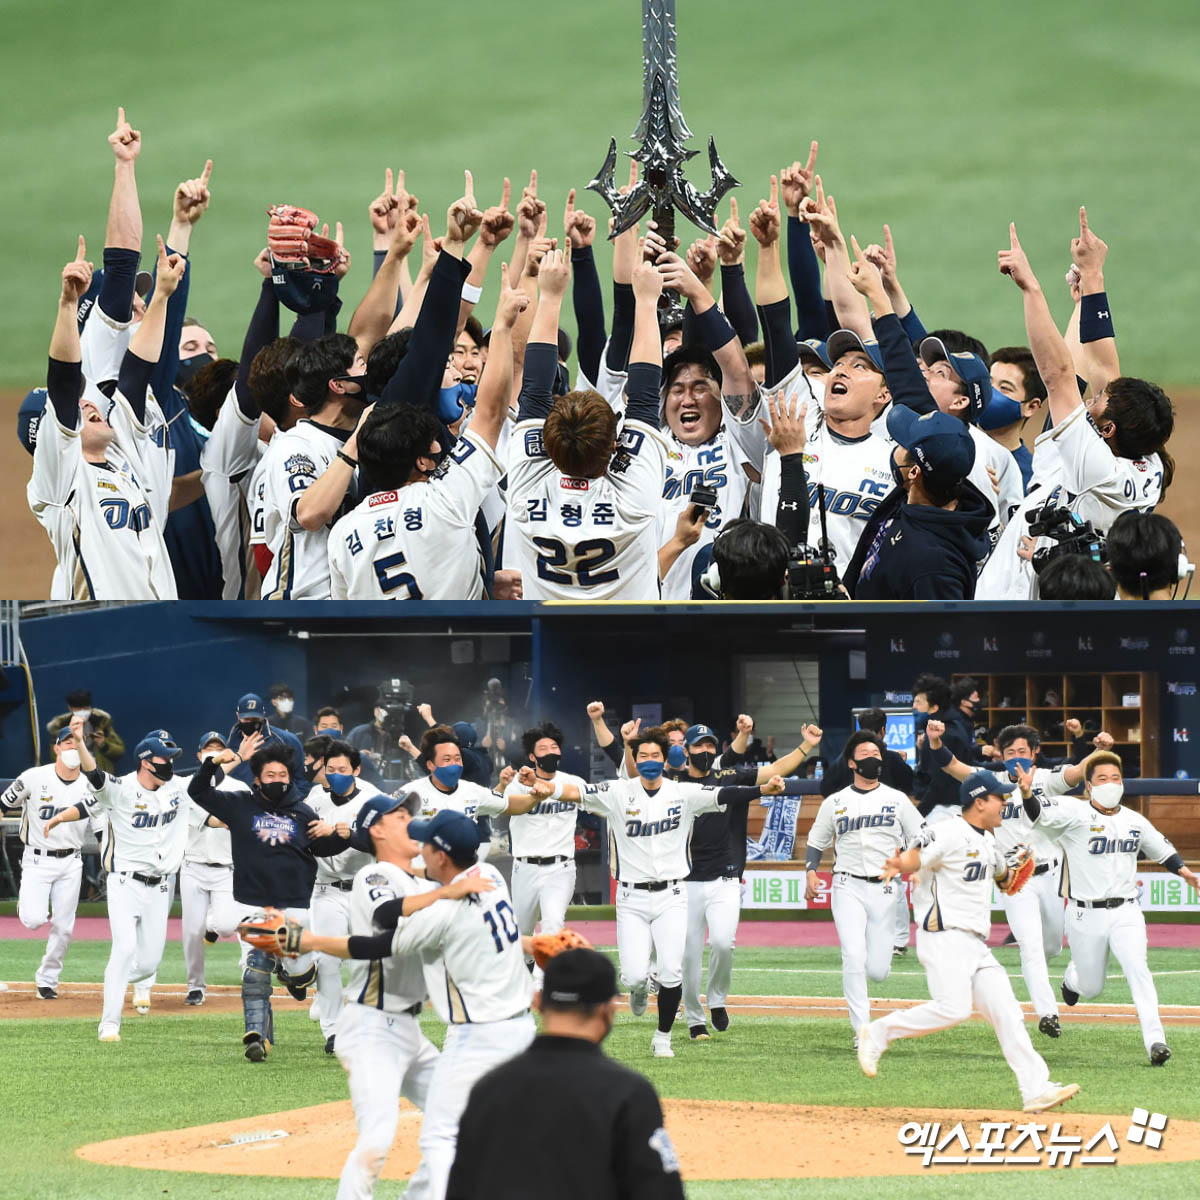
331, 908
1100, 881
865, 828
294, 461
418, 542
379, 1040
144, 849
51, 867
102, 519
475, 972
952, 903
206, 888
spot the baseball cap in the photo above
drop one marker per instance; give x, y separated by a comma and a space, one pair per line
250, 705
983, 783
970, 368
698, 733
64, 734
940, 443
304, 292
158, 743
29, 417
372, 810
143, 284
579, 977
844, 340
211, 736
465, 732
450, 831
815, 350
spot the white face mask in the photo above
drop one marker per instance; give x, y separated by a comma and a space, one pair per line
1108, 795
84, 713
69, 758
380, 713
285, 705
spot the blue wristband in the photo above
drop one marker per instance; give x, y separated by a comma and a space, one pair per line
1095, 319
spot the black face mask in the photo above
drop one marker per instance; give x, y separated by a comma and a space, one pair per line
274, 792
898, 475
547, 762
161, 771
310, 772
703, 760
189, 366
869, 768
246, 728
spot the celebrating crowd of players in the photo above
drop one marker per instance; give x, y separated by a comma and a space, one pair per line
741, 451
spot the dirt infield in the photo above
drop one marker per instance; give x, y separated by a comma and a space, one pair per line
714, 1139
29, 561
83, 1000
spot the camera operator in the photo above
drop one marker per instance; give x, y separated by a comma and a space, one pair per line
395, 717
1075, 577
924, 541
1147, 557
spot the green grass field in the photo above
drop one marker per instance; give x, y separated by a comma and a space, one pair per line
65, 1089
947, 121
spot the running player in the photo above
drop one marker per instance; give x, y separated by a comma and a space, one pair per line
440, 753
51, 867
867, 823
1102, 842
952, 902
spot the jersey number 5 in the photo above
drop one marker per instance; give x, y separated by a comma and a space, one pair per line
507, 924
389, 582
589, 557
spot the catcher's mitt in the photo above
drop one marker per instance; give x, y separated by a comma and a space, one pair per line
1019, 861
547, 945
294, 245
272, 931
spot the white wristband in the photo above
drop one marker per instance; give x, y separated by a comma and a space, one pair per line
558, 790
471, 293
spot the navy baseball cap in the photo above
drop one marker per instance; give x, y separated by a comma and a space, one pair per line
251, 705
29, 417
983, 783
465, 732
699, 733
579, 978
970, 368
304, 292
815, 350
372, 810
211, 736
843, 341
450, 831
940, 443
158, 743
64, 734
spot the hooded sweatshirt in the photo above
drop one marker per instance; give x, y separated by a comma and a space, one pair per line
919, 552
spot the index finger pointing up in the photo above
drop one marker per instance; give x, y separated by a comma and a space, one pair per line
1083, 225
774, 191
206, 174
1013, 241
506, 194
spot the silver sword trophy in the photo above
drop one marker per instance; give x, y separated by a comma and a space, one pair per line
663, 134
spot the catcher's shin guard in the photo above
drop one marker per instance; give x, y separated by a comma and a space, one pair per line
256, 992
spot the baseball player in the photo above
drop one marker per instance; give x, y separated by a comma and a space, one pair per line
337, 802
206, 882
1102, 842
650, 829
866, 823
952, 902
148, 827
444, 787
1035, 913
583, 500
474, 961
51, 867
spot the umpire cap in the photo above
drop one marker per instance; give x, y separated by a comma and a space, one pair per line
158, 743
983, 783
576, 978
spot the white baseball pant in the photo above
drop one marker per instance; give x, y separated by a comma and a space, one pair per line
330, 918
1091, 933
469, 1052
715, 905
544, 889
386, 1056
206, 892
50, 892
963, 975
137, 920
864, 914
651, 920
903, 917
1035, 915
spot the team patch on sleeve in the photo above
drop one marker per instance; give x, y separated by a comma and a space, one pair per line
377, 880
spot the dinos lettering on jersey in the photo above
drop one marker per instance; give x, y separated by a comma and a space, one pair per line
274, 830
553, 806
1107, 845
858, 504
143, 819
887, 816
120, 514
636, 828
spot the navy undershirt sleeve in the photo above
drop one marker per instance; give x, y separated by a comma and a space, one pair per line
735, 300
588, 301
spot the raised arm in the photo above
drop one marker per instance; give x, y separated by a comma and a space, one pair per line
147, 342
495, 385
497, 223
378, 308
735, 298
796, 184
586, 296
941, 755
790, 763
851, 310
64, 377
625, 256
1097, 360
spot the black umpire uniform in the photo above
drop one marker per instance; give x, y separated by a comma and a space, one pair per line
563, 1119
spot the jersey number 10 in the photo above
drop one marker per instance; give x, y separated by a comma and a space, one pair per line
507, 925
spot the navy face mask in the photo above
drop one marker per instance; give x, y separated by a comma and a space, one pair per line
676, 757
189, 366
1026, 764
650, 770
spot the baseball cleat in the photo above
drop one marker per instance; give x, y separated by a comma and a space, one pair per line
1050, 1026
256, 1048
660, 1044
868, 1053
1059, 1093
637, 1001
109, 1034
720, 1019
329, 1043
1069, 996
899, 951
47, 993
141, 998
699, 1033
194, 996
1159, 1053
210, 936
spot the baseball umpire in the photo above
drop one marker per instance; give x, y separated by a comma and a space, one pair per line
604, 1119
